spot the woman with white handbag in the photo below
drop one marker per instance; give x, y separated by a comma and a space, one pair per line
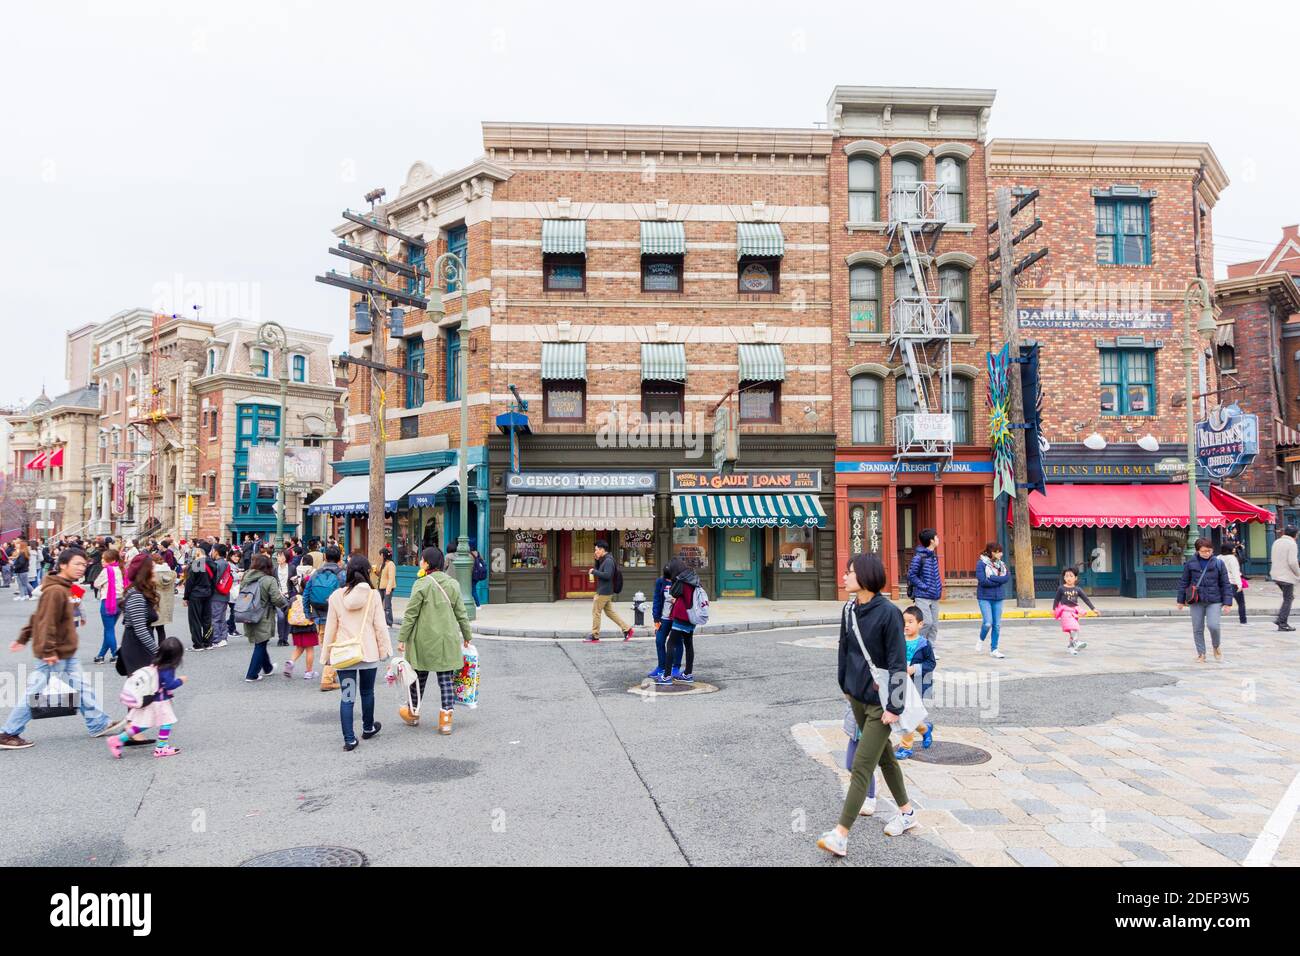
873, 676
356, 640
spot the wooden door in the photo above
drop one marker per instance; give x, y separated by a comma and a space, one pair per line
740, 562
963, 531
576, 560
907, 531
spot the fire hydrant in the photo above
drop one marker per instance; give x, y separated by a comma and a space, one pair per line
638, 608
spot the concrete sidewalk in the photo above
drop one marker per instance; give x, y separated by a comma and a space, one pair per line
569, 619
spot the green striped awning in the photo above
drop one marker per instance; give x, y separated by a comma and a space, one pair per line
663, 363
762, 363
748, 511
564, 236
759, 239
663, 239
565, 361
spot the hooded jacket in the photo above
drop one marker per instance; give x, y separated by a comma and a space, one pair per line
347, 610
682, 591
52, 631
272, 598
881, 624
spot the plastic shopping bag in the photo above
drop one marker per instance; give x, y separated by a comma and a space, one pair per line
467, 679
55, 699
401, 675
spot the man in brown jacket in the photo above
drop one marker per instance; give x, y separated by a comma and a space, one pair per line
53, 636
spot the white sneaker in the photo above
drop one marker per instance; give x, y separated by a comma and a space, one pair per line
221, 643
868, 807
979, 645
998, 654
900, 824
833, 843
1072, 649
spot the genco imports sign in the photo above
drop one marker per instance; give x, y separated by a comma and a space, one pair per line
583, 482
1227, 442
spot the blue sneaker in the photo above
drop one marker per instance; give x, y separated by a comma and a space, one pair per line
663, 679
677, 673
684, 678
928, 737
902, 753
653, 674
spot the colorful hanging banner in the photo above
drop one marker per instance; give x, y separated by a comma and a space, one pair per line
999, 401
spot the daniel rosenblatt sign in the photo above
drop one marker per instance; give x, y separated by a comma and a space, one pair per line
1109, 320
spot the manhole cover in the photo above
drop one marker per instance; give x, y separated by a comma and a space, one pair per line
310, 856
953, 754
649, 689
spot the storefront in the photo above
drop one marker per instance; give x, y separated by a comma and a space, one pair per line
764, 532
882, 511
421, 506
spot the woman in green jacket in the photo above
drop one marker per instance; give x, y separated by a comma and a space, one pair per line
434, 629
261, 575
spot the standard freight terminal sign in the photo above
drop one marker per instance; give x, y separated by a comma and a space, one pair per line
1227, 442
1109, 320
582, 482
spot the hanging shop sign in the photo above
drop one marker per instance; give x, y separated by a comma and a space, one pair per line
121, 471
1112, 320
583, 482
774, 479
1227, 441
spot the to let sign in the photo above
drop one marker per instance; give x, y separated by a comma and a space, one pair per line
932, 427
776, 479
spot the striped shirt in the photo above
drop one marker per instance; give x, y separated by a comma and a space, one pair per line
137, 621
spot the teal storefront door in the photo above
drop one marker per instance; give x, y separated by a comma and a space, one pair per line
739, 562
1102, 558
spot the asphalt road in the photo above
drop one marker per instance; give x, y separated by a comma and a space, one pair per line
559, 765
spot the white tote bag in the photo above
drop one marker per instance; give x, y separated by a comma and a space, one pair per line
914, 713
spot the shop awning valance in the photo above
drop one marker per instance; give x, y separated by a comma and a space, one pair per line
425, 494
352, 494
580, 513
56, 460
1285, 436
1119, 506
748, 511
663, 362
759, 239
37, 462
564, 237
663, 239
1238, 509
564, 361
762, 363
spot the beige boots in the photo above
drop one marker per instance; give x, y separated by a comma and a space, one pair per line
444, 721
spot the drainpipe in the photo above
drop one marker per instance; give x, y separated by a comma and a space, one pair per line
1196, 247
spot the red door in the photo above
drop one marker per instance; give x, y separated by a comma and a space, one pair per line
576, 560
964, 527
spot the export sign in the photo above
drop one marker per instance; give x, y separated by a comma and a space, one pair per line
1111, 320
1227, 442
777, 479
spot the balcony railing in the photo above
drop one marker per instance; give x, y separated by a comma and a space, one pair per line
918, 202
923, 317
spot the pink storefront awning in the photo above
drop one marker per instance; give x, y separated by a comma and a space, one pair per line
1119, 506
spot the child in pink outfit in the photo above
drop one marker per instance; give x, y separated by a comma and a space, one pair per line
1065, 608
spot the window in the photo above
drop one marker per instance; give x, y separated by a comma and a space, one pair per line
530, 551
414, 362
564, 273
415, 257
953, 282
300, 368
1225, 357
1124, 232
864, 196
637, 549
117, 393
410, 426
1127, 382
458, 245
662, 398
212, 489
905, 173
212, 423
951, 172
867, 411
691, 545
261, 363
864, 299
212, 361
661, 273
760, 402
960, 410
905, 407
759, 275
798, 549
564, 401
103, 395
904, 284
132, 384
453, 366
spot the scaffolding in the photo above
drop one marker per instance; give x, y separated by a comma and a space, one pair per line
920, 326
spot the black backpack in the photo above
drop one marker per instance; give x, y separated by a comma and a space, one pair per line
617, 581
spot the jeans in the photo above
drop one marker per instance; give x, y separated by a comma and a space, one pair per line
991, 614
930, 626
1201, 615
70, 672
219, 608
480, 590
348, 682
109, 646
259, 662
683, 641
282, 625
388, 607
1239, 598
1288, 593
40, 573
661, 643
24, 586
7, 573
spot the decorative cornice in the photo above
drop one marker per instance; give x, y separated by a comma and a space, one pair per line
867, 257
583, 138
967, 371
865, 146
1281, 285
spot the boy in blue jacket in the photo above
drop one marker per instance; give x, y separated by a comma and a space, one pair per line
663, 626
920, 657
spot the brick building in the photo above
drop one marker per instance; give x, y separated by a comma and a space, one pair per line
1129, 227
119, 464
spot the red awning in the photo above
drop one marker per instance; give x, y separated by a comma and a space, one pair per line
56, 460
1238, 509
1119, 506
37, 462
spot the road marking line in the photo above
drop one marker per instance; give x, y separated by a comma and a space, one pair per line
1270, 838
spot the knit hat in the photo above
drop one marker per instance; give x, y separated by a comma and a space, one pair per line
136, 563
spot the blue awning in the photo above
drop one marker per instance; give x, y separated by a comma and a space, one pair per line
425, 495
352, 494
748, 511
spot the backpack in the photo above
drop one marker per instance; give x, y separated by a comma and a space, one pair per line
140, 687
250, 606
699, 610
319, 588
617, 581
225, 582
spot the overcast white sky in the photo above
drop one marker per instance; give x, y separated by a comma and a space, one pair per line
151, 145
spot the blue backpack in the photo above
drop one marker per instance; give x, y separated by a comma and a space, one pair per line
319, 588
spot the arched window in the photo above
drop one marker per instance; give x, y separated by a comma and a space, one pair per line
117, 393
904, 285
954, 282
212, 362
103, 394
864, 196
864, 299
961, 410
904, 174
951, 171
131, 383
868, 427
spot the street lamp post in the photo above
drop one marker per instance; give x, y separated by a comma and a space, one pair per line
272, 337
1196, 296
449, 267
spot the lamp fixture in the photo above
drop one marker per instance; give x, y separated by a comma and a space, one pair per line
1094, 442
1148, 442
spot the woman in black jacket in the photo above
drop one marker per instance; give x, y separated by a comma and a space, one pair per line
874, 618
1206, 587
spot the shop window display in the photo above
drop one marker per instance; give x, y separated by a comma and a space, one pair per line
692, 546
1043, 542
1163, 547
529, 551
638, 549
797, 547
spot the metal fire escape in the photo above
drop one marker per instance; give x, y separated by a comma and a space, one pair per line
920, 325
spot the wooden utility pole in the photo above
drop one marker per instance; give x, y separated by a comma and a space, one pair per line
378, 463
1022, 547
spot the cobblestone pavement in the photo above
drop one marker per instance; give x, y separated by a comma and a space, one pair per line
1184, 769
